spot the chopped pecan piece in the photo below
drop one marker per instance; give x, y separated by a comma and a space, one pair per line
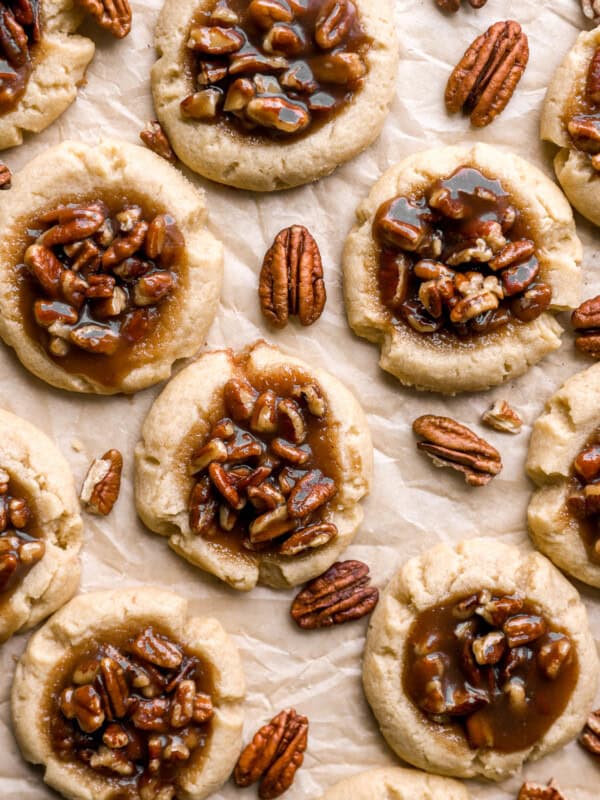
154, 137
342, 594
501, 417
486, 77
535, 791
103, 483
450, 444
590, 737
274, 755
291, 279
5, 176
591, 9
113, 15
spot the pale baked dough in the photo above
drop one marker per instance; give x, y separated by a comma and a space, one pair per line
490, 359
571, 416
260, 165
463, 569
395, 783
59, 64
72, 169
575, 173
92, 615
33, 460
162, 487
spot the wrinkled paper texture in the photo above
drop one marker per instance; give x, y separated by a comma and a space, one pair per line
412, 506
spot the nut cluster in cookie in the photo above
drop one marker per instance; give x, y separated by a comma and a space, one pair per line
263, 474
583, 122
20, 548
458, 259
20, 31
584, 495
493, 664
136, 711
96, 279
275, 67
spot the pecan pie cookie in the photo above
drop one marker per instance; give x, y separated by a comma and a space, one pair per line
564, 462
125, 694
107, 272
571, 120
394, 783
254, 465
268, 94
478, 658
43, 64
459, 259
40, 527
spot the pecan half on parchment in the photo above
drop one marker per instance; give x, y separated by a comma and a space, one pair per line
291, 279
453, 5
155, 139
274, 755
102, 483
341, 594
113, 15
590, 737
586, 321
450, 444
486, 77
591, 9
535, 791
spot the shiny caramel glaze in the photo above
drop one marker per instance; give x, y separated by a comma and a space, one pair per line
20, 35
324, 102
108, 371
72, 745
478, 704
580, 512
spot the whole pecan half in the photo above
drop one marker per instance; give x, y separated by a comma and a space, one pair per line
535, 791
113, 15
453, 5
155, 139
450, 444
342, 594
291, 279
486, 77
590, 737
586, 321
274, 755
103, 483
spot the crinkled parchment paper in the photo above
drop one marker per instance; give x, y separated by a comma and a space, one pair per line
412, 506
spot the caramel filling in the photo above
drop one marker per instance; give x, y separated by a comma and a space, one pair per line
457, 261
135, 708
275, 68
19, 33
20, 545
491, 668
583, 500
266, 475
95, 282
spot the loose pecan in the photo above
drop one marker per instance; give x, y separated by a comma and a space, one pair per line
535, 791
155, 139
590, 737
485, 79
342, 594
591, 9
113, 15
103, 483
275, 754
291, 279
501, 417
586, 321
450, 444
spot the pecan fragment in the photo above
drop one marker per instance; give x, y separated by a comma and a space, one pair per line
113, 15
291, 279
590, 737
102, 483
501, 417
5, 176
535, 791
155, 139
485, 79
591, 9
274, 755
586, 321
342, 594
450, 444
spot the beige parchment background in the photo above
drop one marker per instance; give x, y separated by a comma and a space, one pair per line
411, 506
